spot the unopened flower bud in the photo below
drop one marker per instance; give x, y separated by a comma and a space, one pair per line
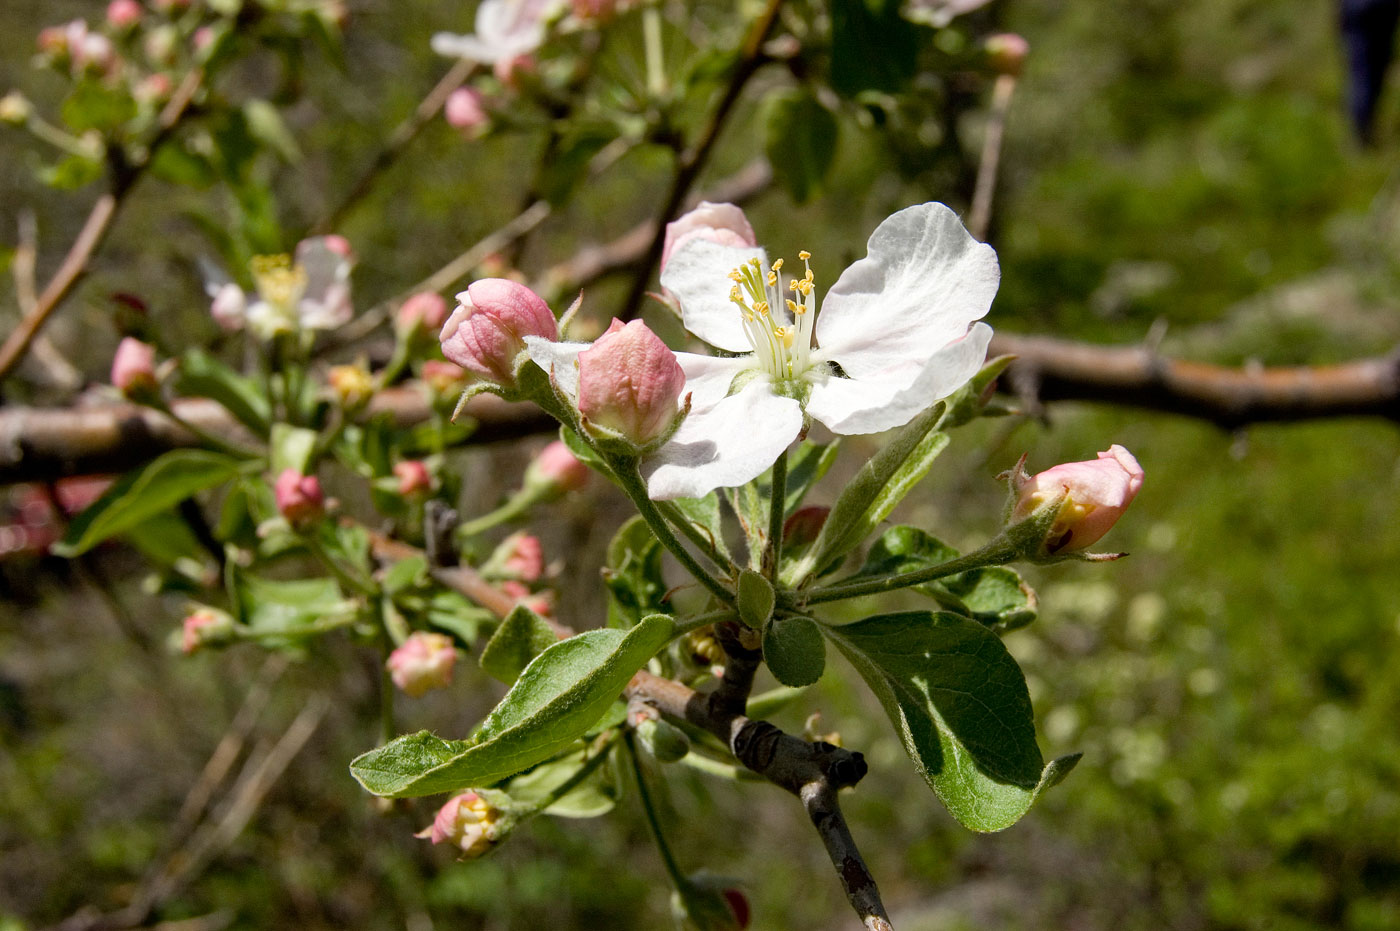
162, 45
629, 383
414, 477
1006, 53
444, 378
133, 368
1093, 495
15, 109
465, 110
203, 38
351, 384
335, 243
542, 603
556, 470
487, 331
52, 42
663, 740
725, 224
520, 556
205, 627
710, 903
152, 89
95, 52
123, 14
229, 307
467, 822
425, 310
299, 498
422, 663
804, 525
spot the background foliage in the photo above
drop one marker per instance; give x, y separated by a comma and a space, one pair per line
1232, 685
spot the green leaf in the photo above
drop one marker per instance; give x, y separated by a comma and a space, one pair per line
521, 637
290, 607
453, 613
558, 697
756, 598
794, 650
595, 795
800, 137
291, 448
569, 164
166, 539
176, 164
71, 172
150, 490
960, 706
872, 47
405, 574
870, 497
707, 515
265, 124
201, 375
633, 575
94, 105
806, 466
994, 595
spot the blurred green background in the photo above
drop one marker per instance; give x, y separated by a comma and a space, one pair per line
1233, 685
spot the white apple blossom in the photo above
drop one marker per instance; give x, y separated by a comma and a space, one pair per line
505, 30
308, 292
897, 331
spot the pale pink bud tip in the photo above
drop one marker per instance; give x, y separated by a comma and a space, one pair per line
465, 109
557, 466
123, 13
524, 557
337, 244
467, 822
725, 224
422, 663
133, 367
1006, 53
424, 309
629, 382
299, 498
204, 626
1096, 493
487, 331
414, 477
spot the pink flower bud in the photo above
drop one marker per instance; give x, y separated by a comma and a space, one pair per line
204, 627
203, 38
721, 223
53, 43
1006, 53
1095, 493
629, 382
467, 822
523, 557
152, 89
133, 367
464, 109
299, 498
230, 307
444, 377
557, 469
487, 331
542, 603
414, 477
335, 243
94, 53
122, 14
424, 310
422, 663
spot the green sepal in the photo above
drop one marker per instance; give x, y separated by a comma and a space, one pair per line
203, 376
970, 401
291, 448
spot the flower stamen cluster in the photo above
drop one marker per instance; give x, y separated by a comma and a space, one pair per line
783, 349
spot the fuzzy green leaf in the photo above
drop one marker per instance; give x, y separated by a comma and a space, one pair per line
150, 490
756, 597
794, 650
559, 696
960, 706
201, 375
521, 637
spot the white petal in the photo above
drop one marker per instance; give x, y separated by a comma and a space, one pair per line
891, 398
468, 47
698, 275
922, 283
707, 378
726, 445
559, 359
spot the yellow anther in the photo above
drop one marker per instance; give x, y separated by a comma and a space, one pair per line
761, 308
795, 284
778, 265
736, 295
754, 263
735, 276
804, 255
785, 334
796, 308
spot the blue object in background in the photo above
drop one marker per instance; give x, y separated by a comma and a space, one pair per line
1368, 33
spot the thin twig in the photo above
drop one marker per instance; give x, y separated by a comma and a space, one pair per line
980, 216
690, 162
395, 145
